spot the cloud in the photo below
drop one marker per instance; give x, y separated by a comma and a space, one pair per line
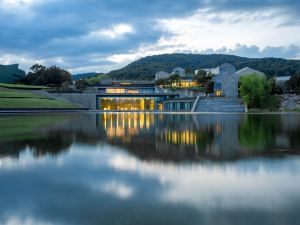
253, 51
82, 35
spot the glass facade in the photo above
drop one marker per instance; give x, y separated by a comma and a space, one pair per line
127, 90
178, 106
127, 104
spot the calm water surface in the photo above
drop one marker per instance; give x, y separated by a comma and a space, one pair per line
121, 169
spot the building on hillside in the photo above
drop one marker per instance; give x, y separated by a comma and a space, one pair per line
185, 82
130, 96
225, 81
161, 75
11, 73
246, 71
224, 69
206, 70
281, 81
179, 71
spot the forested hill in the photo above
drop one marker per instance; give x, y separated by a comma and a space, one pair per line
146, 68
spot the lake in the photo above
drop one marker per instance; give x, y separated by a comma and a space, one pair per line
143, 168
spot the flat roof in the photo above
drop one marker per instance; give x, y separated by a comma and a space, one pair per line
124, 85
284, 78
139, 95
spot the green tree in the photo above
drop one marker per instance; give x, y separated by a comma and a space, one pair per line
276, 90
163, 82
56, 76
254, 90
294, 84
209, 87
204, 79
81, 84
34, 76
175, 78
41, 75
201, 76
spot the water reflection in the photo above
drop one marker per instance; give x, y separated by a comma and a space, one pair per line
174, 137
201, 136
137, 169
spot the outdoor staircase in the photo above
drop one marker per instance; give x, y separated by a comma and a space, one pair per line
220, 105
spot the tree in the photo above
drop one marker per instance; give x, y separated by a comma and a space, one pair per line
81, 84
163, 82
56, 76
205, 80
51, 76
201, 76
254, 89
175, 78
34, 76
294, 84
37, 68
276, 90
209, 87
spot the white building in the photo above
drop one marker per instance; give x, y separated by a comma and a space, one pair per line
180, 71
281, 81
246, 71
226, 81
206, 70
161, 75
224, 69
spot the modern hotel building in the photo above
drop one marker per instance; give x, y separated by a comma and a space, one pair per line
131, 96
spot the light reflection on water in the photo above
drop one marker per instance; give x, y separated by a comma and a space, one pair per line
150, 169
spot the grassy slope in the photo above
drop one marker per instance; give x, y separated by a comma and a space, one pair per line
22, 86
31, 103
16, 98
18, 94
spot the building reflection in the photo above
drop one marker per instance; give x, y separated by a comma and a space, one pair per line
179, 136
162, 130
167, 137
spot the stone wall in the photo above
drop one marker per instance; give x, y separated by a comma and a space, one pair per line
228, 84
220, 105
290, 102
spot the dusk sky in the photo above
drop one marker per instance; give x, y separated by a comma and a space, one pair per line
102, 35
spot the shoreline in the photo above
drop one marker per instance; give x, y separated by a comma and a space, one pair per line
85, 110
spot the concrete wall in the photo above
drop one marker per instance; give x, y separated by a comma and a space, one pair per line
229, 85
85, 100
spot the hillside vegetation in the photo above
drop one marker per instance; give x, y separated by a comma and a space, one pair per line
145, 68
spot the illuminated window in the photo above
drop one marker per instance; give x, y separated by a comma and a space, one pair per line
132, 91
115, 91
218, 93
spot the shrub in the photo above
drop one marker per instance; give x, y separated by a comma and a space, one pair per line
254, 90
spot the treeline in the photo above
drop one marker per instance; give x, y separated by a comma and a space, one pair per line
146, 68
47, 76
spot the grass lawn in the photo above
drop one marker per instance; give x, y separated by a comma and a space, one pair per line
16, 99
22, 86
18, 94
31, 103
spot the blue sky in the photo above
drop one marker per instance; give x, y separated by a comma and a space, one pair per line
101, 35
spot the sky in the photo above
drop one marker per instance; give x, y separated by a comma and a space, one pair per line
103, 35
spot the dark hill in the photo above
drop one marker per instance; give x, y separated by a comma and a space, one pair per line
145, 68
83, 75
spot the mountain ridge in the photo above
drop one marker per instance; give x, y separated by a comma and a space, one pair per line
146, 67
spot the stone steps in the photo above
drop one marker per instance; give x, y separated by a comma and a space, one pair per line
220, 105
